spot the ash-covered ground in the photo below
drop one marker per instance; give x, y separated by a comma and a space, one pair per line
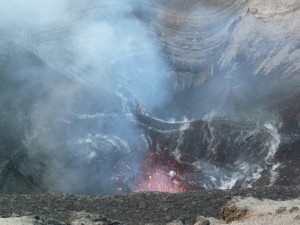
136, 208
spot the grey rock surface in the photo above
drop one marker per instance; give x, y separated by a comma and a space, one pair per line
125, 209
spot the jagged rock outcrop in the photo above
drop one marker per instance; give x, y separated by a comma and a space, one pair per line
143, 208
193, 208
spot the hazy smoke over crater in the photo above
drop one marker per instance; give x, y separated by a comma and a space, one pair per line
79, 77
92, 60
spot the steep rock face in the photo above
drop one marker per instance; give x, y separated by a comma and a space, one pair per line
236, 45
238, 59
224, 55
239, 52
216, 153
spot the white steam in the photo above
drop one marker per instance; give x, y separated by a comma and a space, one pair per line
98, 51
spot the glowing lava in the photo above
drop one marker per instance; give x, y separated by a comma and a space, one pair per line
159, 173
159, 181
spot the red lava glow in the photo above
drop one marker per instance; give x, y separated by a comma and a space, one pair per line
159, 181
160, 173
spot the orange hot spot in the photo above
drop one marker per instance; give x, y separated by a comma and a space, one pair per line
158, 181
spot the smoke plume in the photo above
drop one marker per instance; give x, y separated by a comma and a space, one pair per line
89, 88
86, 64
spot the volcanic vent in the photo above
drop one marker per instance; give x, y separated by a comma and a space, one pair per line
106, 97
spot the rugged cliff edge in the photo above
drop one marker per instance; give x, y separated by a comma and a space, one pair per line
136, 208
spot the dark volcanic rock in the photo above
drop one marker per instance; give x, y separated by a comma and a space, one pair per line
160, 208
